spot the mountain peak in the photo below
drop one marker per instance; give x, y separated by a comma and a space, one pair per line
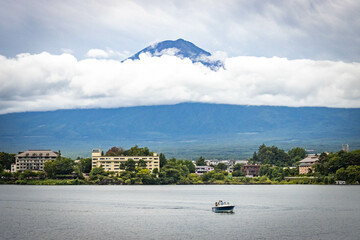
182, 49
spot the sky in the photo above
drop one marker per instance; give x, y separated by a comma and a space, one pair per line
68, 54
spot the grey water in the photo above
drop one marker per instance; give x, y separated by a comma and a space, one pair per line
179, 212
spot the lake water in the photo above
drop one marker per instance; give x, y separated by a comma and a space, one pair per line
179, 212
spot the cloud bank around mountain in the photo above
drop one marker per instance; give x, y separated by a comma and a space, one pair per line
42, 82
320, 30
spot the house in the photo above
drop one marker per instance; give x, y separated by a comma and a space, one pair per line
200, 170
251, 170
32, 160
112, 163
306, 164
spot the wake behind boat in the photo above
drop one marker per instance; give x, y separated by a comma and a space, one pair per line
223, 207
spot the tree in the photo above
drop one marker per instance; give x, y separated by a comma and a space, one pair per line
97, 172
273, 156
58, 157
201, 161
255, 157
85, 165
297, 153
163, 160
115, 151
6, 159
130, 165
221, 167
237, 173
141, 164
190, 166
238, 167
136, 151
27, 174
49, 168
59, 166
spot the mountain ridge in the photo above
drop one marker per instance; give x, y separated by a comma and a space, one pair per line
184, 126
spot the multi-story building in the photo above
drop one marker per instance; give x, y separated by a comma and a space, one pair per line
306, 164
112, 163
251, 170
200, 170
33, 160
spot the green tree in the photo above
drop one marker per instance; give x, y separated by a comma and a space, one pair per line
27, 174
163, 160
190, 166
136, 151
85, 165
297, 152
237, 173
141, 163
130, 165
97, 173
59, 166
49, 168
255, 158
201, 161
6, 159
273, 156
221, 167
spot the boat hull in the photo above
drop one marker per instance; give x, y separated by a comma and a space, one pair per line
223, 209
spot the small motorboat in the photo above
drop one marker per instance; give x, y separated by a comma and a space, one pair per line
223, 207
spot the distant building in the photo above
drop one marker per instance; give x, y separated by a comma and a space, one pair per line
307, 163
112, 163
212, 162
32, 160
200, 170
340, 182
345, 147
251, 170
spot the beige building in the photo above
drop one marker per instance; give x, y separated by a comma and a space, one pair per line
306, 163
32, 160
112, 163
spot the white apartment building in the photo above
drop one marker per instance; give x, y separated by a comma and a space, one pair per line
112, 163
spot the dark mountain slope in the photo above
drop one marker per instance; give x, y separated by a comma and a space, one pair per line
176, 125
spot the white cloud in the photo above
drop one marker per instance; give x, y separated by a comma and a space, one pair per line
108, 53
47, 82
97, 53
294, 29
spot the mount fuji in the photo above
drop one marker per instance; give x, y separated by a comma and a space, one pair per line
182, 49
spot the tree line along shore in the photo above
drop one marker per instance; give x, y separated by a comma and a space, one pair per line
276, 166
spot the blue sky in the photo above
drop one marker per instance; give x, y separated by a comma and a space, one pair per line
66, 54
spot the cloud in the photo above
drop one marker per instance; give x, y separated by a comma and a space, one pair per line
41, 82
108, 53
97, 53
293, 29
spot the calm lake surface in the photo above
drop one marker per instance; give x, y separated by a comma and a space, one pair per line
179, 212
